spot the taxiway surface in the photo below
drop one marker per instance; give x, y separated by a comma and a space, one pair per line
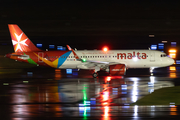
43, 93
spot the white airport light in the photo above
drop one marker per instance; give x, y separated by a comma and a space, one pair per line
151, 36
164, 41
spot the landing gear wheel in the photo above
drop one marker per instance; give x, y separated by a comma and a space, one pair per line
95, 75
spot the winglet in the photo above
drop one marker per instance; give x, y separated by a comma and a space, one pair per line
75, 55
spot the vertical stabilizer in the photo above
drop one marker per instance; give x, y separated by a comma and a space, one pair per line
20, 41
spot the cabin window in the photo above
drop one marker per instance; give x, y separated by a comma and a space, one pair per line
163, 55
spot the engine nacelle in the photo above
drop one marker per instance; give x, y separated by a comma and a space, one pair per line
118, 69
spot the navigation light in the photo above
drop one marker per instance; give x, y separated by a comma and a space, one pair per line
105, 49
83, 60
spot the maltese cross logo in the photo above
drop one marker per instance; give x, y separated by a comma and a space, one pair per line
19, 43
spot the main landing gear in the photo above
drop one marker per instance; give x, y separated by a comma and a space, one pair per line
95, 72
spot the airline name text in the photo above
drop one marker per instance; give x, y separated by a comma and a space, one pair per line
131, 55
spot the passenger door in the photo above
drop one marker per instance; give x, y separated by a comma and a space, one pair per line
152, 56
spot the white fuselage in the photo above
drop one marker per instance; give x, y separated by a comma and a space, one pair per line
131, 58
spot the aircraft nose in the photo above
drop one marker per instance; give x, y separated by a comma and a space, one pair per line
171, 61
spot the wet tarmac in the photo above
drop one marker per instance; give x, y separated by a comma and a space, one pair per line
45, 93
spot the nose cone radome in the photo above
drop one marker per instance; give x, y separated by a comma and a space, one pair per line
170, 61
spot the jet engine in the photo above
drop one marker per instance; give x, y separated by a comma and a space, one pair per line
117, 69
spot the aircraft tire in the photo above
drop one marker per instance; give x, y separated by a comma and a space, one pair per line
95, 75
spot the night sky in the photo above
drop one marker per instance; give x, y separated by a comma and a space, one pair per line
91, 24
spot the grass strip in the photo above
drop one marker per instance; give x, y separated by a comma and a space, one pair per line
163, 96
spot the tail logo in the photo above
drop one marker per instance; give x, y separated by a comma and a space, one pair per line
18, 43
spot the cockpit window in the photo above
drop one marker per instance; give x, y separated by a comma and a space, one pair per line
163, 55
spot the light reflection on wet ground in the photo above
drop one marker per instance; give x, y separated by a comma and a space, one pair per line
51, 94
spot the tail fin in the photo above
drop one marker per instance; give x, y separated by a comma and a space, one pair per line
20, 41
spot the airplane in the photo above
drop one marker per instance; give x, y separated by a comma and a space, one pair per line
115, 62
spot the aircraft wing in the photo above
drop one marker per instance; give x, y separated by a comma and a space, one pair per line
91, 63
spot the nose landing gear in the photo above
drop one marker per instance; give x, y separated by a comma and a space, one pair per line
151, 71
95, 74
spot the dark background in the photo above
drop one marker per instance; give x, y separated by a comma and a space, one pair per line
93, 24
